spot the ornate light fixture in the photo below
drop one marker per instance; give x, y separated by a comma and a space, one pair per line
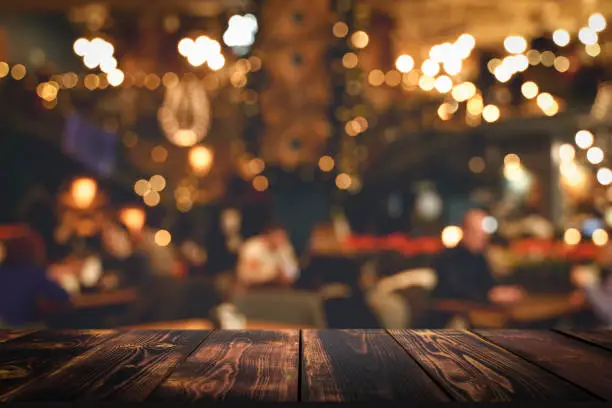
185, 114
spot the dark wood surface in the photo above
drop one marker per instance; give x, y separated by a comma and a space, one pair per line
412, 366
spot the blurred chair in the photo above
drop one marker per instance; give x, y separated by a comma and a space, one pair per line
292, 307
400, 300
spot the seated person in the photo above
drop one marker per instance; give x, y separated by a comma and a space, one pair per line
24, 285
267, 260
595, 285
463, 271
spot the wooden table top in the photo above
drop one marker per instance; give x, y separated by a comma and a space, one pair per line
305, 365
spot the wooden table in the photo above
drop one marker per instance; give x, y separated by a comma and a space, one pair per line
404, 366
533, 308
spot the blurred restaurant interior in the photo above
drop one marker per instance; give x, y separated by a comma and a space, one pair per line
305, 163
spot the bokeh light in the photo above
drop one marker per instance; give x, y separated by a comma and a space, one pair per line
451, 236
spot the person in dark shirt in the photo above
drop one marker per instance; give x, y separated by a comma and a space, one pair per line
23, 285
463, 271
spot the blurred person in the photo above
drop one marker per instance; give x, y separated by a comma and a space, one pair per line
595, 285
267, 260
463, 271
25, 288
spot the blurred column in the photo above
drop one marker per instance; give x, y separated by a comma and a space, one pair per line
556, 202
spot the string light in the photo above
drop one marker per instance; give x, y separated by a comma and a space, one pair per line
18, 72
404, 63
600, 237
572, 236
595, 155
326, 163
587, 36
430, 68
343, 181
443, 84
157, 183
548, 58
567, 152
561, 37
152, 198
427, 83
604, 176
163, 238
584, 139
515, 44
376, 77
562, 64
530, 89
451, 236
350, 60
360, 39
261, 183
597, 22
593, 50
491, 113
340, 29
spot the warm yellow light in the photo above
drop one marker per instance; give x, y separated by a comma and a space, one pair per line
427, 83
350, 60
152, 198
201, 159
185, 137
604, 176
326, 163
430, 68
584, 139
545, 101
91, 81
451, 236
552, 110
503, 73
466, 41
562, 64
152, 82
593, 50
48, 91
404, 63
133, 218
81, 46
475, 106
340, 29
534, 57
216, 62
352, 128
393, 78
108, 65
597, 22
567, 152
493, 64
443, 84
256, 165
362, 123
512, 160
115, 77
360, 39
376, 77
445, 111
170, 80
490, 113
163, 238
464, 91
261, 183
142, 187
561, 37
588, 36
600, 237
4, 69
452, 66
83, 192
159, 154
186, 47
548, 58
595, 155
530, 89
572, 236
343, 181
515, 44
18, 72
476, 164
157, 183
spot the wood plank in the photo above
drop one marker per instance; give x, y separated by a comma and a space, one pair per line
126, 368
601, 337
583, 364
8, 335
361, 365
26, 359
473, 369
252, 365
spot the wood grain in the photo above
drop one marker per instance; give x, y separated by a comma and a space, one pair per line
28, 358
472, 369
361, 365
8, 335
583, 364
601, 338
238, 365
126, 368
